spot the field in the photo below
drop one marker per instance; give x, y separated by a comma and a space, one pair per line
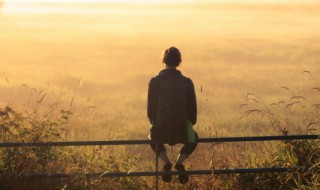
95, 61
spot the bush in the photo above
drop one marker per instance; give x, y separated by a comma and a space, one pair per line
16, 164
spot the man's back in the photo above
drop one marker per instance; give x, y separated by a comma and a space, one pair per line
153, 94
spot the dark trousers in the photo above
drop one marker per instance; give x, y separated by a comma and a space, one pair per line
186, 149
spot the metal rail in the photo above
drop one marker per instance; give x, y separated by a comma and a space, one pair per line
139, 174
137, 142
141, 142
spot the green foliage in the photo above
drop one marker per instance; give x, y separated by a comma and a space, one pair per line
17, 163
302, 156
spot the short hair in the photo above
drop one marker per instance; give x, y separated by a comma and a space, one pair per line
172, 57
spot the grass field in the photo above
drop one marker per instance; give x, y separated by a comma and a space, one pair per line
96, 60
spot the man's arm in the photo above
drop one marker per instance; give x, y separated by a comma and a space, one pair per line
152, 101
192, 102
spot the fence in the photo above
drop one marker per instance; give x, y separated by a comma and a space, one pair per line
156, 173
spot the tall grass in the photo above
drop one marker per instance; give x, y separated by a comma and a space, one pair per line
296, 114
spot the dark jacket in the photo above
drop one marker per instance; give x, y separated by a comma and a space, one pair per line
153, 92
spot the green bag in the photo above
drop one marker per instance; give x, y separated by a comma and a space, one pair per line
190, 133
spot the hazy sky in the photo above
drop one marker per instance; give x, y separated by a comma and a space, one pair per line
11, 6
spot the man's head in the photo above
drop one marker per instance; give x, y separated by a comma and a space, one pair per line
172, 57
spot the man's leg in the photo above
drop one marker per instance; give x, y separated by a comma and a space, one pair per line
186, 151
160, 150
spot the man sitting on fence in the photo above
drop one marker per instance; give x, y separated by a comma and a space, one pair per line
172, 111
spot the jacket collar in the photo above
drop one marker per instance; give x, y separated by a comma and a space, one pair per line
170, 72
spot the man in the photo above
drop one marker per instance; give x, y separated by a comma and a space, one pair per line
171, 107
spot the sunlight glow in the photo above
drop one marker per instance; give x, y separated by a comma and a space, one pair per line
159, 1
99, 1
